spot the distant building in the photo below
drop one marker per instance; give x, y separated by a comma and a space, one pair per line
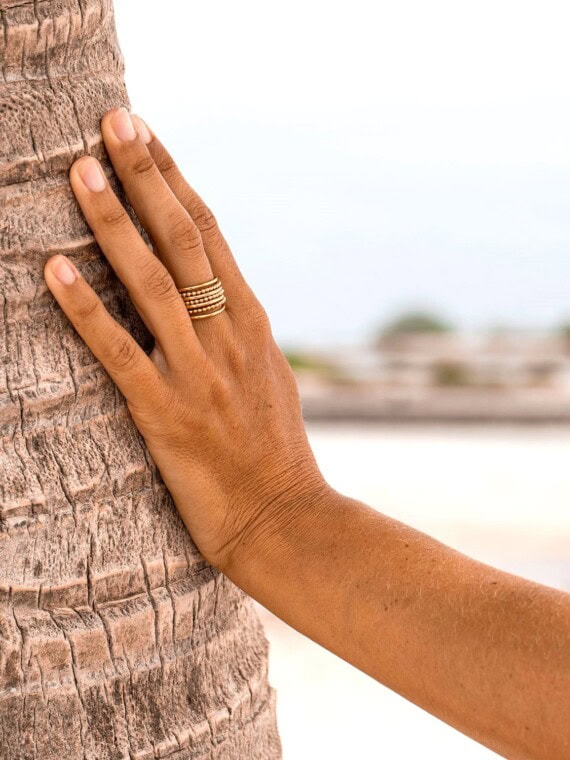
506, 360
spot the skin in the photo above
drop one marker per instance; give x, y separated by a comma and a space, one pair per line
218, 406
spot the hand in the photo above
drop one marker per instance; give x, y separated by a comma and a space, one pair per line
216, 400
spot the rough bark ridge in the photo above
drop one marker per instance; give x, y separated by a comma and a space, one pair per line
116, 639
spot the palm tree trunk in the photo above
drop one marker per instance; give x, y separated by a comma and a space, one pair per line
117, 640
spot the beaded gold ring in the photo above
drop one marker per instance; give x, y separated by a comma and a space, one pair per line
205, 300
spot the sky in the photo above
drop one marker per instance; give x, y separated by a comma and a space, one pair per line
371, 157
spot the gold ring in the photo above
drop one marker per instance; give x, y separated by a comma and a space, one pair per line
205, 300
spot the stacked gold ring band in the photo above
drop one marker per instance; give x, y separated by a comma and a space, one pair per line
204, 300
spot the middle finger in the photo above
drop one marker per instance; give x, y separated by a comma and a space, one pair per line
176, 237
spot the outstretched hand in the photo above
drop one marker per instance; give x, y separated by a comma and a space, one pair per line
216, 400
218, 406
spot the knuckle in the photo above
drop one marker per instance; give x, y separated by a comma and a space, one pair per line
151, 407
204, 219
221, 394
166, 165
258, 321
89, 310
122, 352
235, 355
184, 236
115, 217
253, 327
142, 166
157, 282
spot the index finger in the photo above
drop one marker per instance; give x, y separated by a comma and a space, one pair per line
127, 364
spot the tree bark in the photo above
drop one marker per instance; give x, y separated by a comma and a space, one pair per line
117, 640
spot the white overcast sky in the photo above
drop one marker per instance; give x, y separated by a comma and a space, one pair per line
384, 154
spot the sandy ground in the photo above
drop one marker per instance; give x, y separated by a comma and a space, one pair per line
499, 494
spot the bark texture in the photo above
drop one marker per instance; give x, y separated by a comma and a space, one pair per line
117, 640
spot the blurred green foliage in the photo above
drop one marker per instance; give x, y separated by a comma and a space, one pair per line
301, 361
415, 322
450, 374
305, 362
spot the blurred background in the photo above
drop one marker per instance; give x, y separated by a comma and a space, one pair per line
394, 180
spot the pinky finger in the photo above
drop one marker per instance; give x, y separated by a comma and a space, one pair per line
119, 353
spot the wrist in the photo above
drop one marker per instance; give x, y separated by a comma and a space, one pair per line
279, 517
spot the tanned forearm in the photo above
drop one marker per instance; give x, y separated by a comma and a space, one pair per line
485, 651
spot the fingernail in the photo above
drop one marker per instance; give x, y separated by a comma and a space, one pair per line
123, 125
92, 175
142, 129
64, 270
